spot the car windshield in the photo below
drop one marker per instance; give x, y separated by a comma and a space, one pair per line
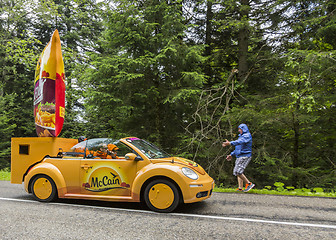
149, 149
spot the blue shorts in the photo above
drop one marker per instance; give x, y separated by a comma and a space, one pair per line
241, 164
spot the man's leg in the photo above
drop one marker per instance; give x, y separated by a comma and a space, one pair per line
240, 182
249, 185
243, 179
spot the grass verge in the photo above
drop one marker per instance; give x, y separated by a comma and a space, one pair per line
5, 175
293, 192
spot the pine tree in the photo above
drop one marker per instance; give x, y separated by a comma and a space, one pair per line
17, 63
144, 81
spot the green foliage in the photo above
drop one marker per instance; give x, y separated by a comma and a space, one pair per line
146, 78
7, 126
17, 63
279, 186
166, 71
24, 32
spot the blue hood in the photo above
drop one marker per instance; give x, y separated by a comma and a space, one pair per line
244, 127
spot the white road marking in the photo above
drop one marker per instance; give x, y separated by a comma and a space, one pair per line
181, 214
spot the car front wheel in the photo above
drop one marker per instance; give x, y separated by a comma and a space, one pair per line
161, 196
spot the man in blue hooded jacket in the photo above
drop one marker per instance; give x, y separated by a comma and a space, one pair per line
243, 154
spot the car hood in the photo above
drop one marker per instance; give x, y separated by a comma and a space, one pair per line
182, 161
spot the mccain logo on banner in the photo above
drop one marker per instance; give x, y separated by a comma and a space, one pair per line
104, 179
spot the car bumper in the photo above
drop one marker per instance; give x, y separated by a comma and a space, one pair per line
199, 190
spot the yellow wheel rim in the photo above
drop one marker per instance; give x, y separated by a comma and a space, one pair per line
161, 196
42, 188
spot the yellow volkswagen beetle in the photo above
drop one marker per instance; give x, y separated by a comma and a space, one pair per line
125, 170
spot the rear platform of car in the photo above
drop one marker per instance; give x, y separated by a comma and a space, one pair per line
25, 152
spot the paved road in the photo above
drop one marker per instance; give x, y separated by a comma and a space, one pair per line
223, 216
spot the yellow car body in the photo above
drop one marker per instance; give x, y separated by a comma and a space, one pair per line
55, 167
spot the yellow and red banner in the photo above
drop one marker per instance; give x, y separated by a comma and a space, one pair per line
49, 91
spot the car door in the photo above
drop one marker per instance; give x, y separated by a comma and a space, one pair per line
106, 176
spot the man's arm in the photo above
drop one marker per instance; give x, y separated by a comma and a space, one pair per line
245, 138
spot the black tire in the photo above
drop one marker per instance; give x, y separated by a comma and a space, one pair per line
171, 187
50, 194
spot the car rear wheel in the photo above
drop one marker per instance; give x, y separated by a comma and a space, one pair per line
161, 196
44, 188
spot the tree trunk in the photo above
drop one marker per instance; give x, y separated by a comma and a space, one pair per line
296, 160
243, 36
208, 30
208, 41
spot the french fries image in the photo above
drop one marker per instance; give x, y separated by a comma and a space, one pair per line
48, 120
44, 118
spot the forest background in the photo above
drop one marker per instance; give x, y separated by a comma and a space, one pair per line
184, 74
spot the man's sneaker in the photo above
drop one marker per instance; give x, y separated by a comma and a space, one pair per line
249, 187
239, 190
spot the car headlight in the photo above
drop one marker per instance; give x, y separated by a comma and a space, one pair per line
190, 173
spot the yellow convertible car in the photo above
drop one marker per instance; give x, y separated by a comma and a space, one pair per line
125, 170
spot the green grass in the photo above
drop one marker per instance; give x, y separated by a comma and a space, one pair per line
274, 192
280, 190
5, 175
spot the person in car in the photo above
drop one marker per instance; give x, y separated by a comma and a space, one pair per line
112, 151
101, 152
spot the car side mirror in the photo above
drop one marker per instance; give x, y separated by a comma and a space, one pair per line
132, 157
